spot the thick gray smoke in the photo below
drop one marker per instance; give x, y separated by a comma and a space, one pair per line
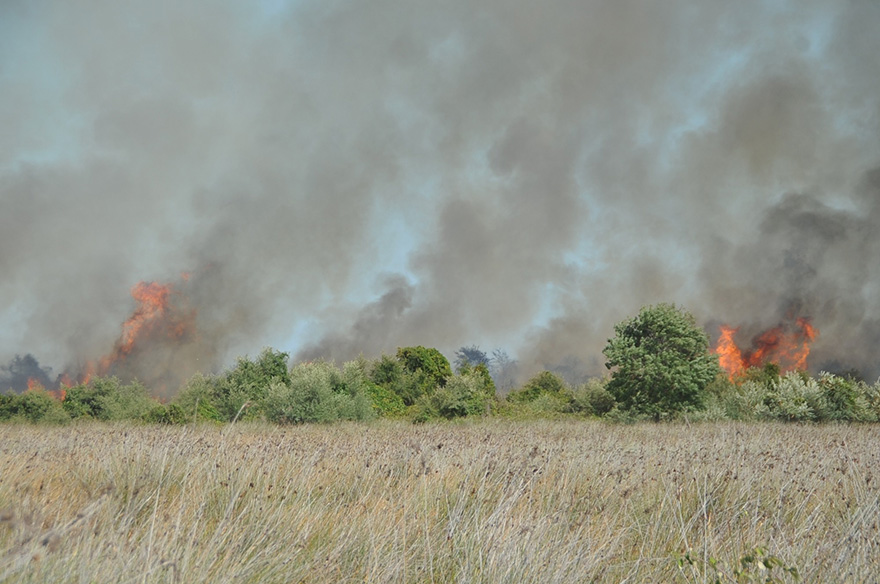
349, 177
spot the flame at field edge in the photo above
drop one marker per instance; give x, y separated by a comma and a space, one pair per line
787, 345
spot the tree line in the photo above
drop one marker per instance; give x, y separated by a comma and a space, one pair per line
659, 367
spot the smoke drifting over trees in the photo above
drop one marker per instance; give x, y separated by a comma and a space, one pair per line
353, 177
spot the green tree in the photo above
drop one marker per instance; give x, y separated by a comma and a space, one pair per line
389, 374
428, 360
415, 372
660, 361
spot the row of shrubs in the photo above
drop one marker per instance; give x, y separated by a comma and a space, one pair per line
418, 384
758, 395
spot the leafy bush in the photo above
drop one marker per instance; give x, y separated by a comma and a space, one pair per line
409, 385
429, 361
319, 392
385, 402
544, 383
470, 394
871, 394
170, 414
35, 405
797, 398
592, 398
240, 392
549, 405
196, 399
106, 398
660, 361
846, 399
7, 406
379, 377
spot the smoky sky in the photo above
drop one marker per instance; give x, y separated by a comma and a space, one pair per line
349, 177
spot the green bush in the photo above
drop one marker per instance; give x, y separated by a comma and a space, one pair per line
481, 370
660, 362
468, 394
389, 373
544, 383
319, 392
427, 360
197, 397
797, 398
379, 377
385, 402
162, 414
36, 406
106, 398
846, 399
549, 405
872, 398
592, 398
240, 393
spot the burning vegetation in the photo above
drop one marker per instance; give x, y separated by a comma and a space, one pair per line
160, 323
787, 345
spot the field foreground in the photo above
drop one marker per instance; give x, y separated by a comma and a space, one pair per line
495, 501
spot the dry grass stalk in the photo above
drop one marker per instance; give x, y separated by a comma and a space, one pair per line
492, 501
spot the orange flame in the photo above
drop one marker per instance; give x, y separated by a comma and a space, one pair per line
152, 301
786, 345
33, 384
729, 355
154, 317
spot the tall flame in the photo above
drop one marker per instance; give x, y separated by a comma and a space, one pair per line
786, 345
161, 321
154, 318
729, 355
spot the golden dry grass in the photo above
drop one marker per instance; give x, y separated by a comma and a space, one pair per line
493, 501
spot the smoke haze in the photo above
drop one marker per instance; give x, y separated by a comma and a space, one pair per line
349, 177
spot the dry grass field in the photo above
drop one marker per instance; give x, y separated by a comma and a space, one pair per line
494, 501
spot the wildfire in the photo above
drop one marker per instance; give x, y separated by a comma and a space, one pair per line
154, 319
157, 345
152, 299
729, 355
33, 384
786, 345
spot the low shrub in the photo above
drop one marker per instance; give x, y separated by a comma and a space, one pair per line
471, 393
319, 392
544, 383
240, 393
592, 398
846, 399
35, 405
196, 399
106, 398
161, 414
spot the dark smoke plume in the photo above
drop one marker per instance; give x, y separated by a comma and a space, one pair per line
530, 173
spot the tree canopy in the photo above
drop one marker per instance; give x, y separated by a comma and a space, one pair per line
430, 361
660, 361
